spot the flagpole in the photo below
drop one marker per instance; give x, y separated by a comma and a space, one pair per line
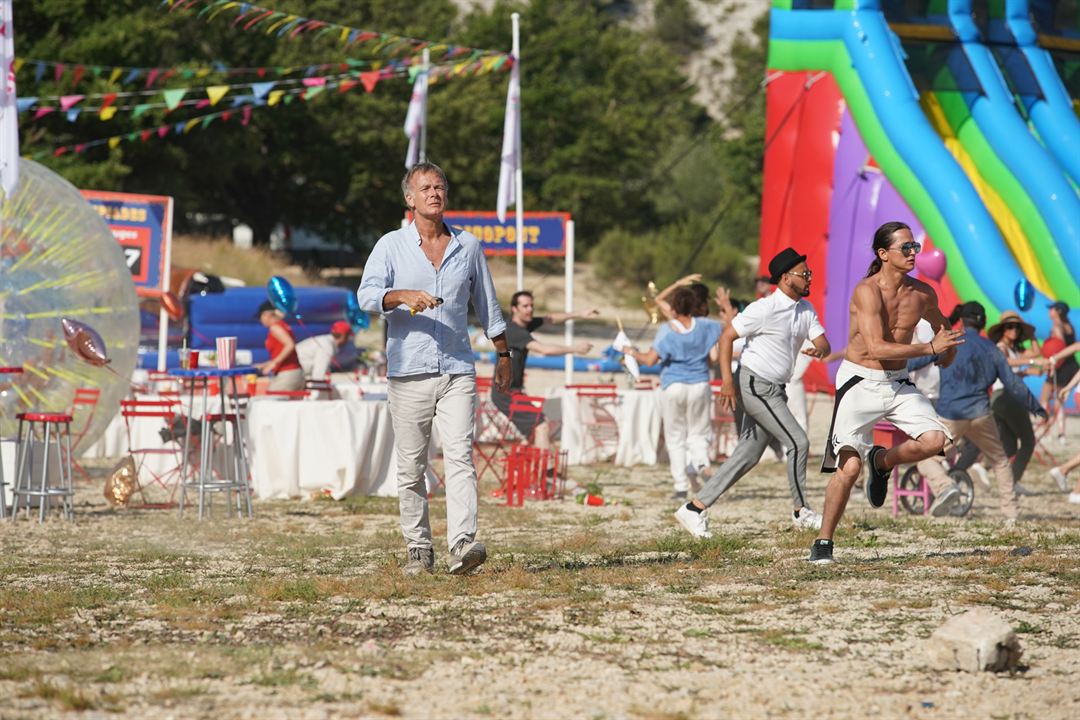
423, 109
518, 176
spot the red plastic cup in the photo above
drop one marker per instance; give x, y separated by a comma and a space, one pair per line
193, 359
593, 500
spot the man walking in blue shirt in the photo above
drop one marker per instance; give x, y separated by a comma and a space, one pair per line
421, 279
964, 408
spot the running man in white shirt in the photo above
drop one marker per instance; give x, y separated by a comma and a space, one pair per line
873, 384
774, 327
320, 354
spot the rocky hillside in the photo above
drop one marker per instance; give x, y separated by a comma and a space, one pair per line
721, 21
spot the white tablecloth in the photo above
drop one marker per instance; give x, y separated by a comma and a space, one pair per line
302, 447
637, 414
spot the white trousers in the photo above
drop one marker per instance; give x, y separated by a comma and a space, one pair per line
449, 400
687, 428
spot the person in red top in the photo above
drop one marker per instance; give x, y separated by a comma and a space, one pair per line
283, 364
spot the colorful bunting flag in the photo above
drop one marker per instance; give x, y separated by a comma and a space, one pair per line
216, 92
174, 97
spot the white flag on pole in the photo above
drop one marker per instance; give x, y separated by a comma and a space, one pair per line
9, 112
510, 150
414, 118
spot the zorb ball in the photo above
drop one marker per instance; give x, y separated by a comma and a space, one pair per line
58, 259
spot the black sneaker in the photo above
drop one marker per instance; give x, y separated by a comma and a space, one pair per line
877, 481
821, 552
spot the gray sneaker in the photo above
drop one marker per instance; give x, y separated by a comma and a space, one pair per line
466, 555
944, 502
421, 560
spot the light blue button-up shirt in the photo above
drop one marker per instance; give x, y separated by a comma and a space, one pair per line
435, 341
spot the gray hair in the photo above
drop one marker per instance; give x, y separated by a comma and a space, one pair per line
422, 167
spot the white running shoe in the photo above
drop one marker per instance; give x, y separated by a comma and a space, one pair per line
696, 523
807, 519
1059, 478
981, 475
1021, 490
1074, 498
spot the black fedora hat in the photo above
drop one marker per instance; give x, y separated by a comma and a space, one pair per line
784, 261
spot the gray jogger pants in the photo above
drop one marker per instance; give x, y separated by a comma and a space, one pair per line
765, 416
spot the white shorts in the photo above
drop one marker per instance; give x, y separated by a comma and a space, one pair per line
866, 395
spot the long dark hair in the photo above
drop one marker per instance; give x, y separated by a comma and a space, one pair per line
882, 240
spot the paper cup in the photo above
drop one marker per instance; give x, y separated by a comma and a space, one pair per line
226, 353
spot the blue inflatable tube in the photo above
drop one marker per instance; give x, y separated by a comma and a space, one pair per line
1051, 112
1001, 124
876, 56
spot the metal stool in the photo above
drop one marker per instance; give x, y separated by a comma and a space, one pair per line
53, 428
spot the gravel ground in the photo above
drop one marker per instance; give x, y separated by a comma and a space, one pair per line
597, 612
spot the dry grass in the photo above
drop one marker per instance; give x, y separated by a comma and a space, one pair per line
584, 612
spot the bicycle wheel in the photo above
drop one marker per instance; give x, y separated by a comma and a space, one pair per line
912, 480
967, 493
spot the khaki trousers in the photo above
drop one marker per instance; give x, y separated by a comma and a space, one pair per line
983, 432
449, 401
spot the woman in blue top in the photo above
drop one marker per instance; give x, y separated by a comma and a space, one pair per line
682, 348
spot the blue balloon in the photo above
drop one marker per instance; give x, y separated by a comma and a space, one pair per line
1024, 294
357, 318
281, 294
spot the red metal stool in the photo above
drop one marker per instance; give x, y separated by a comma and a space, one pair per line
53, 427
534, 473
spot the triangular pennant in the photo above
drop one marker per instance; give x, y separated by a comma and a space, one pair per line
79, 72
19, 62
58, 71
114, 141
216, 92
140, 109
115, 75
39, 72
42, 112
199, 105
245, 117
163, 131
106, 113
203, 72
25, 103
313, 91
347, 85
274, 97
96, 69
313, 81
260, 89
369, 79
187, 73
107, 100
60, 151
415, 70
73, 114
132, 76
151, 77
190, 124
288, 99
79, 148
178, 128
67, 101
225, 115
173, 97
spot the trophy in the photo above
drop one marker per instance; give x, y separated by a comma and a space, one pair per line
649, 301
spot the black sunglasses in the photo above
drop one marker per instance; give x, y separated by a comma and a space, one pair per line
910, 248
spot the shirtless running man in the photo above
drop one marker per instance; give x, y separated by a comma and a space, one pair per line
872, 383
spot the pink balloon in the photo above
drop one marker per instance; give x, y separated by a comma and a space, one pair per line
931, 264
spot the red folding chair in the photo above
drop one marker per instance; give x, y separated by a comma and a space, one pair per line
83, 407
600, 427
725, 429
503, 434
170, 450
534, 473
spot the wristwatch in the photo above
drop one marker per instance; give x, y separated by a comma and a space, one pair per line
505, 354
